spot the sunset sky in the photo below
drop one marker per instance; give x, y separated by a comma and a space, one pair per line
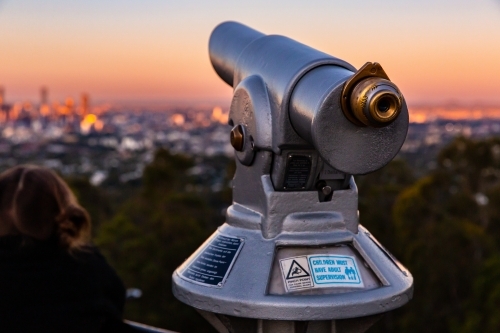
145, 51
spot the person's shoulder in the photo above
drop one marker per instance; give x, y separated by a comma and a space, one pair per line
90, 256
88, 249
88, 253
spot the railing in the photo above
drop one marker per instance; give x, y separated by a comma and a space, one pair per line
145, 328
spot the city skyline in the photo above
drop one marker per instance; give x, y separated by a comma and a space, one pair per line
88, 111
154, 51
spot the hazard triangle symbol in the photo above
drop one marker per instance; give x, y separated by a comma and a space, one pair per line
296, 271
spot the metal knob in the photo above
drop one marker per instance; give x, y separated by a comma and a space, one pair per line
237, 137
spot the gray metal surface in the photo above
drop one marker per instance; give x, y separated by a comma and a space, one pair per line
231, 324
296, 92
293, 195
256, 205
245, 292
279, 61
316, 114
224, 55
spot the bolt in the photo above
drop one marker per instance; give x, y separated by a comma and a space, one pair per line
237, 137
327, 190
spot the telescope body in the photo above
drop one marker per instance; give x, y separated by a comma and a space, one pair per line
303, 88
292, 256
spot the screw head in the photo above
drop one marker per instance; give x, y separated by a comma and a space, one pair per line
326, 190
237, 138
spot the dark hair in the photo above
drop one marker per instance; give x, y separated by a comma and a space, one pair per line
36, 203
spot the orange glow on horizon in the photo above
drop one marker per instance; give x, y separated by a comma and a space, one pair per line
177, 119
425, 114
91, 121
45, 110
219, 115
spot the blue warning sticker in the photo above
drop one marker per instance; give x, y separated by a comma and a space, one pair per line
320, 271
335, 271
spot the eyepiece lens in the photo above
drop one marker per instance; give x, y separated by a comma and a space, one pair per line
384, 104
375, 102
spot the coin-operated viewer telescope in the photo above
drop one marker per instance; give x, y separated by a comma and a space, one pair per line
292, 256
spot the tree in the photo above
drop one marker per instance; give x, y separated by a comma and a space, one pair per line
151, 235
377, 193
482, 307
93, 199
443, 226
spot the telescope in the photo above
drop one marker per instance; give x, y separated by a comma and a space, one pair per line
292, 256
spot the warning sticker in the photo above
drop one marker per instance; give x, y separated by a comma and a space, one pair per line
335, 271
296, 273
320, 271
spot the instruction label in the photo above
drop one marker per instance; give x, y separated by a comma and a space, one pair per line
320, 271
213, 264
297, 172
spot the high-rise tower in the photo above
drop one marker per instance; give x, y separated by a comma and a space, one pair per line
44, 108
2, 95
69, 104
85, 99
4, 112
44, 93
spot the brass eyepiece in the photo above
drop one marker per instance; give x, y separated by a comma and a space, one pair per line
369, 98
375, 102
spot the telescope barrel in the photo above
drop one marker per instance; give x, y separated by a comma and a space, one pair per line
227, 42
355, 119
308, 95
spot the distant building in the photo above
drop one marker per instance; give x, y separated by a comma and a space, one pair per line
44, 92
85, 104
4, 107
70, 104
44, 108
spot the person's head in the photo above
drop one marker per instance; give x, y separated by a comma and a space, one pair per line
36, 203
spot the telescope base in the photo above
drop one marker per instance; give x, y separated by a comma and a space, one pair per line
231, 324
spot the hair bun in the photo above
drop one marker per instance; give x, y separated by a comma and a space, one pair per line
72, 223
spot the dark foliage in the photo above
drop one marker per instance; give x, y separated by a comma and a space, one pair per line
95, 201
151, 235
445, 227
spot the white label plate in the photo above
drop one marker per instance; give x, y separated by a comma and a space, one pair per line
320, 271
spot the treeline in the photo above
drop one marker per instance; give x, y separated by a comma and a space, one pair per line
148, 233
444, 226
